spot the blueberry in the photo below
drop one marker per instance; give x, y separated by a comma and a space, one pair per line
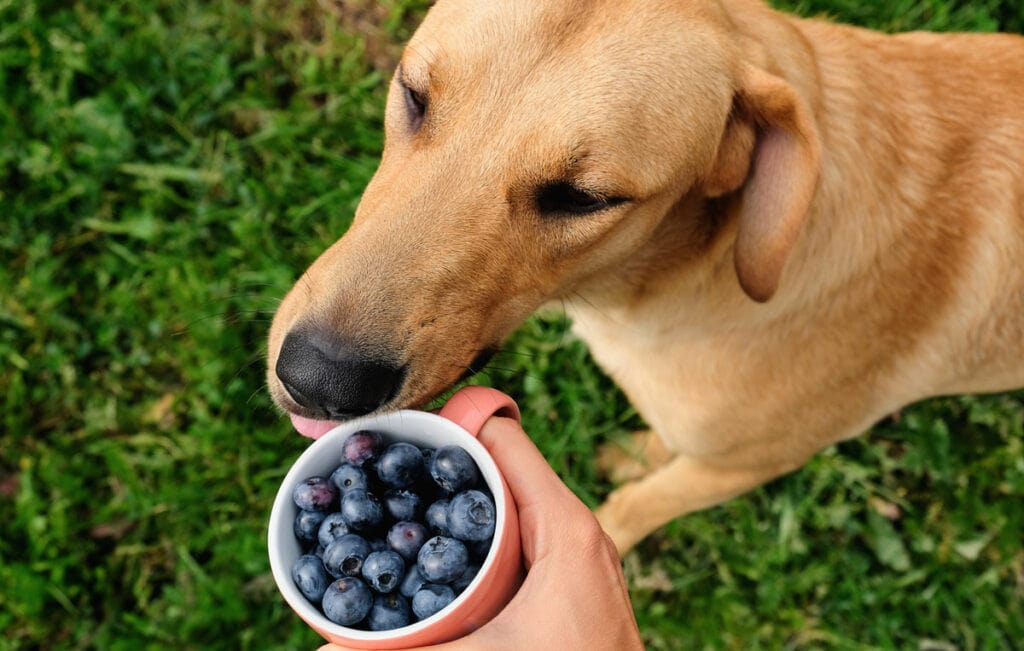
454, 469
310, 577
400, 465
427, 487
437, 517
478, 549
471, 516
306, 524
402, 504
345, 556
361, 510
347, 601
406, 538
378, 545
389, 611
461, 583
428, 456
383, 571
315, 494
430, 599
442, 559
362, 447
346, 477
333, 527
412, 582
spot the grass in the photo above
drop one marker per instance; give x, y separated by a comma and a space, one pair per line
167, 169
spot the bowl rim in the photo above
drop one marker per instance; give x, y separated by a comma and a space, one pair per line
389, 425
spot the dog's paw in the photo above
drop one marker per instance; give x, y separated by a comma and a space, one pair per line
629, 460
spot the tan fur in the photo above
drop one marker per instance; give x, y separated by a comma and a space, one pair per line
757, 301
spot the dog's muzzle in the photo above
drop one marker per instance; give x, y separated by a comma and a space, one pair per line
332, 379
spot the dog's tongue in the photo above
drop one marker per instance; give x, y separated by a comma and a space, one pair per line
314, 429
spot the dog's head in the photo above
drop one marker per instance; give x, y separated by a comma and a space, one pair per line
532, 148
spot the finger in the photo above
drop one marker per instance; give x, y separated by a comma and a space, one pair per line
551, 517
532, 481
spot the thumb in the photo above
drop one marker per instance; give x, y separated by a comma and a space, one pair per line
550, 515
533, 483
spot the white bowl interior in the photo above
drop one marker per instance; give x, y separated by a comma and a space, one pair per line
323, 456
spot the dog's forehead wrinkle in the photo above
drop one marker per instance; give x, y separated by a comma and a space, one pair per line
631, 102
424, 64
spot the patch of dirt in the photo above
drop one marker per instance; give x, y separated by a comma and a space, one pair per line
368, 18
652, 577
384, 25
9, 485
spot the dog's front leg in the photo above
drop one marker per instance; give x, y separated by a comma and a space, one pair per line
681, 486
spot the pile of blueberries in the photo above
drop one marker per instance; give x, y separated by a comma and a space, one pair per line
394, 534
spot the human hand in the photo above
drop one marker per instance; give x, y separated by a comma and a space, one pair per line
574, 595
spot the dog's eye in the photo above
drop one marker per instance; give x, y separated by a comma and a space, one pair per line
416, 104
567, 199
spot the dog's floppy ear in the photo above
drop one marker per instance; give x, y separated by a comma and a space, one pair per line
771, 148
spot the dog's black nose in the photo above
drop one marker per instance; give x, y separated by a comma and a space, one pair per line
323, 374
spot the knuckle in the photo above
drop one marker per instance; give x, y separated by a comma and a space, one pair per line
593, 540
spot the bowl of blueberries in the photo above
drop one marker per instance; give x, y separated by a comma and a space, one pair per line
398, 530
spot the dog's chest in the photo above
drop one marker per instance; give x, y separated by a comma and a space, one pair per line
679, 381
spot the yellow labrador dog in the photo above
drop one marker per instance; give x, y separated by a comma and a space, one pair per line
770, 231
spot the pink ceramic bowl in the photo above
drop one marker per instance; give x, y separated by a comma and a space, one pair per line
501, 573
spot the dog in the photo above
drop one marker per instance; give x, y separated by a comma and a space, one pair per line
771, 232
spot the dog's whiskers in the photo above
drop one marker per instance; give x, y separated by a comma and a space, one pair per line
232, 317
